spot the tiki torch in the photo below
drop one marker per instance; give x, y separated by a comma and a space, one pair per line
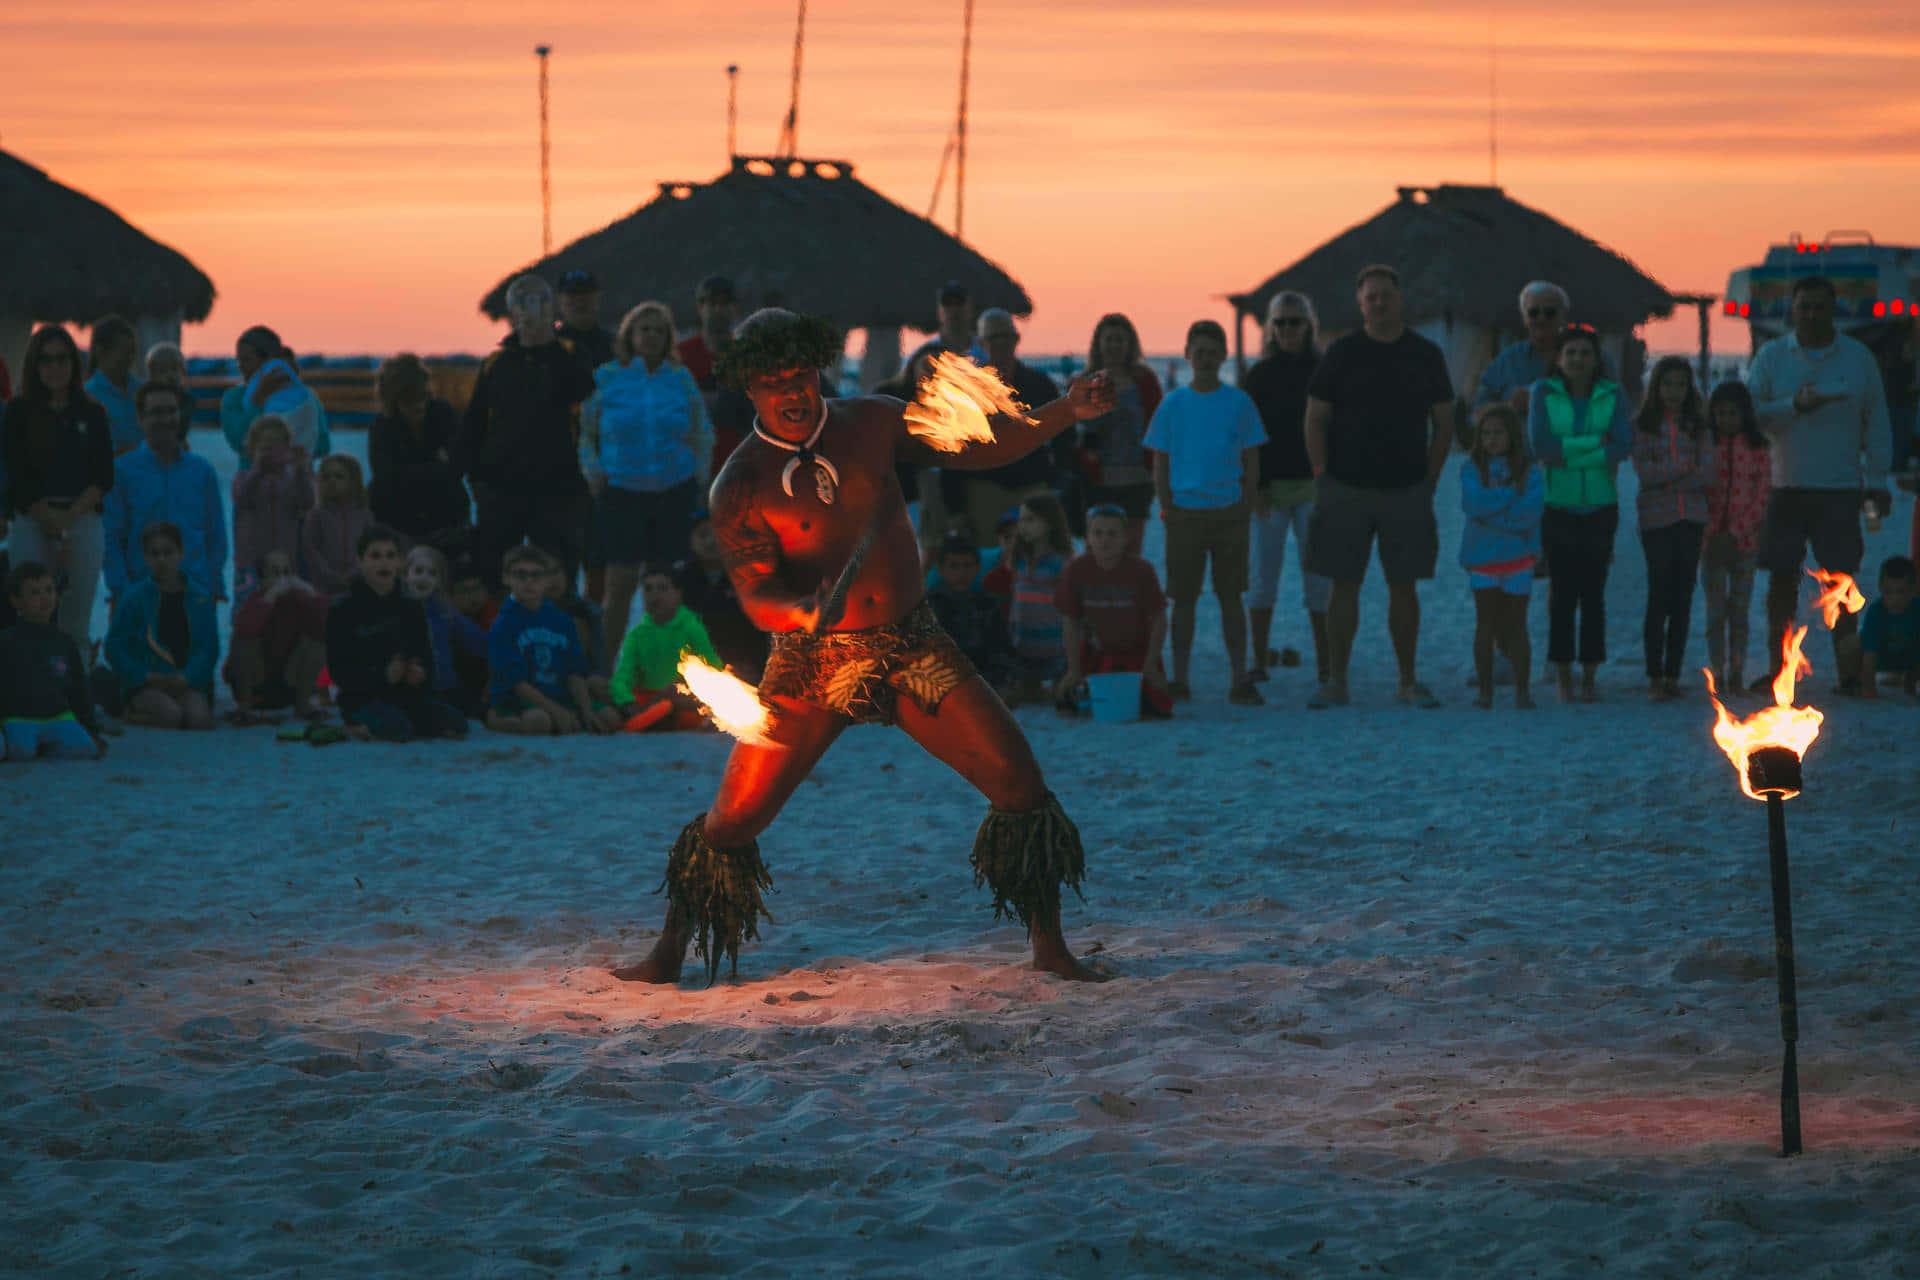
1766, 749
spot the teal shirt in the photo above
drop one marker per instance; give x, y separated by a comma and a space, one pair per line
237, 414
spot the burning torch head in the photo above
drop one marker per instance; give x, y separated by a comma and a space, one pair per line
1774, 771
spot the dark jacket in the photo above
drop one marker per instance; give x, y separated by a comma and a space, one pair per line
590, 348
42, 676
365, 631
518, 433
976, 623
1034, 389
414, 489
1278, 385
53, 455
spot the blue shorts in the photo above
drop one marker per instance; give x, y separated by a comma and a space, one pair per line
1519, 583
63, 738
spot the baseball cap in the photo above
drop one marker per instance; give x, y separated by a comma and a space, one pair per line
578, 281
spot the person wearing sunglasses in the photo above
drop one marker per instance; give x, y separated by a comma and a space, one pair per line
1509, 378
1283, 500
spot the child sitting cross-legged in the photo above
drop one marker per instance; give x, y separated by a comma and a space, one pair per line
380, 652
46, 707
163, 642
539, 682
1889, 636
645, 677
454, 635
279, 642
971, 614
1114, 614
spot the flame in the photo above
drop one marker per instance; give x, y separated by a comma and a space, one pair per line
1837, 592
733, 704
950, 410
1781, 725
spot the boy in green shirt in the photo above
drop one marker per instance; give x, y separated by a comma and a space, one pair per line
646, 677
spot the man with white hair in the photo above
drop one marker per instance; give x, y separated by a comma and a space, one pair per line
516, 441
1544, 309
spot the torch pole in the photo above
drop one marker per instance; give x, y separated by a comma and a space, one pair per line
1783, 962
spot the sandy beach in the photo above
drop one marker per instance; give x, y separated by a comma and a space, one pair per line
1439, 993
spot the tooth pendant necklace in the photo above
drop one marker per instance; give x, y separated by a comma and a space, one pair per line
825, 478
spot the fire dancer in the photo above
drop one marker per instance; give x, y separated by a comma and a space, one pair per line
815, 535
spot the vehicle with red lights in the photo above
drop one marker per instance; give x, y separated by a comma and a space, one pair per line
1878, 290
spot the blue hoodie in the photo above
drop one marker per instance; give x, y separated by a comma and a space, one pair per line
134, 652
186, 493
1503, 523
541, 648
450, 627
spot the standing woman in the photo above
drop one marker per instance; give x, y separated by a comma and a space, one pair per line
1125, 473
1673, 457
110, 379
416, 486
1284, 499
1577, 424
645, 447
240, 405
58, 452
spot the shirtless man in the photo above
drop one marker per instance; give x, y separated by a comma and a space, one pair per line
809, 498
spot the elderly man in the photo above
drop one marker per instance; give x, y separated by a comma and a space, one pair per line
991, 492
160, 480
516, 440
1544, 309
1824, 408
1379, 425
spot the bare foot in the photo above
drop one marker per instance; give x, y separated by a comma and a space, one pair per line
664, 962
1050, 955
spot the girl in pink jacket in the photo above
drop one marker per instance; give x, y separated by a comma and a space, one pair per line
271, 497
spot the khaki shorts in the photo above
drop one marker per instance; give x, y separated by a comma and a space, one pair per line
1346, 520
1220, 534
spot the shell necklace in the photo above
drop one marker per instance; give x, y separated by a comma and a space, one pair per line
825, 478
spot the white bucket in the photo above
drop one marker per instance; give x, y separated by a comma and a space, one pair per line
1116, 698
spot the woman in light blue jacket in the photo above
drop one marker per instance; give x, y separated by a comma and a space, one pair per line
646, 449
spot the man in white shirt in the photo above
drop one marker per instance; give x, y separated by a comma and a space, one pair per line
1823, 407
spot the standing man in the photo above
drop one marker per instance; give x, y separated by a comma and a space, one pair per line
728, 408
516, 440
1824, 409
991, 492
1379, 424
160, 481
1543, 310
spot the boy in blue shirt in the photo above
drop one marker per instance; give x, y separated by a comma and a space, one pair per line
1890, 631
539, 683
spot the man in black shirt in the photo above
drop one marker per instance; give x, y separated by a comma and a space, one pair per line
1379, 424
989, 493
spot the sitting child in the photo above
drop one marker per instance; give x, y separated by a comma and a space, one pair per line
709, 593
539, 664
1889, 636
279, 643
330, 533
644, 679
472, 598
1114, 615
1040, 552
46, 707
970, 614
270, 500
453, 634
164, 642
380, 652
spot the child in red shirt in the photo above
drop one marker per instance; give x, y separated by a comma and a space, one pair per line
1114, 613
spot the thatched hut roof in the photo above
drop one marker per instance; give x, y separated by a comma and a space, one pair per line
807, 231
66, 257
1465, 253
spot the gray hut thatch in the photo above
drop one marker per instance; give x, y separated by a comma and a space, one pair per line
66, 257
806, 233
1463, 254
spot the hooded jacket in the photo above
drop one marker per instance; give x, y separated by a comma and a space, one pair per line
518, 432
133, 647
365, 631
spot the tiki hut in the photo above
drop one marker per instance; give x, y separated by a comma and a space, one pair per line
68, 258
794, 232
1463, 254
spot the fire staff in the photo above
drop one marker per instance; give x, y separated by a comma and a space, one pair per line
816, 538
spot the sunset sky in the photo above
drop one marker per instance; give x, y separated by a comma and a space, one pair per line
358, 174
